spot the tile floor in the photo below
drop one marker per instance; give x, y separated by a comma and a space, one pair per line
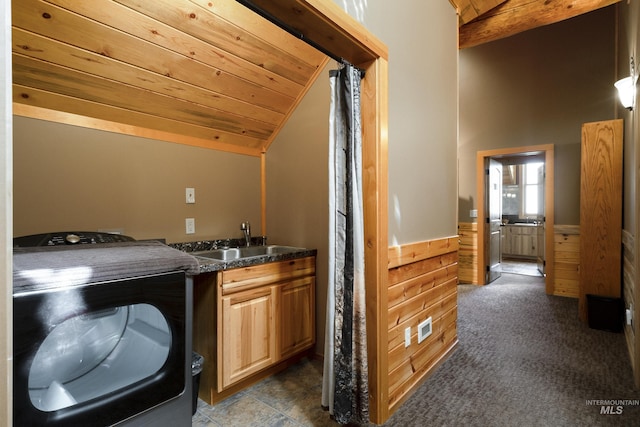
289, 399
525, 267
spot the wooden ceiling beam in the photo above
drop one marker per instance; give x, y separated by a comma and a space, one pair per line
468, 10
515, 16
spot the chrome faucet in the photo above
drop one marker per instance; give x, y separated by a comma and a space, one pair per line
246, 229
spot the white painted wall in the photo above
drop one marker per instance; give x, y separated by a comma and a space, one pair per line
6, 215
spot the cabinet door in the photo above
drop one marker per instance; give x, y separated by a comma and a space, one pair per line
247, 335
516, 242
296, 324
529, 245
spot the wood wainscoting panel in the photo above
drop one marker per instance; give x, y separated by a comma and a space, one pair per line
423, 279
566, 247
468, 253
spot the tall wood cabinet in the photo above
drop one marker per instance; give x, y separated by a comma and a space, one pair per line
600, 211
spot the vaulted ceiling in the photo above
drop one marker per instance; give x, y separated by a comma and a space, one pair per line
482, 21
210, 74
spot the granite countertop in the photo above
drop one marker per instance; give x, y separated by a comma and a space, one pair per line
208, 265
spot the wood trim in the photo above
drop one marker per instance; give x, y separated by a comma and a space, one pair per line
263, 193
105, 125
550, 218
549, 208
327, 25
412, 252
375, 187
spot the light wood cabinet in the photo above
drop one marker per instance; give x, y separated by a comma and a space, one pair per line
296, 322
601, 183
250, 320
520, 241
247, 342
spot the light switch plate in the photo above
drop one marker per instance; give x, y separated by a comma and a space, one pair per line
407, 337
190, 195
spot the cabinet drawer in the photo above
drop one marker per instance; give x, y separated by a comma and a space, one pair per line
241, 279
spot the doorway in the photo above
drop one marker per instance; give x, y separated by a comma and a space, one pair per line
543, 224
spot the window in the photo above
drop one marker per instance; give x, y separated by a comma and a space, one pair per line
533, 182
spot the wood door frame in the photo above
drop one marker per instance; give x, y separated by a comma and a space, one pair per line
347, 38
548, 149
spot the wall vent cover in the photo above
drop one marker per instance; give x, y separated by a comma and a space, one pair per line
424, 330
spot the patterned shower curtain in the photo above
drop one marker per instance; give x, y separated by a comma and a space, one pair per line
345, 379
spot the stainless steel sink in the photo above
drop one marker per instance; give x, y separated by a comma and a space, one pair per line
231, 254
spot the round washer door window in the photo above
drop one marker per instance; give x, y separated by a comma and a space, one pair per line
91, 355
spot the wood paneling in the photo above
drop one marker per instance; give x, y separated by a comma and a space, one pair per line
412, 252
566, 248
422, 284
600, 211
193, 68
467, 255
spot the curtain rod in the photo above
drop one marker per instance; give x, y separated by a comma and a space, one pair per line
269, 17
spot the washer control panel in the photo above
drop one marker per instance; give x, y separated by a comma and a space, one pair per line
69, 238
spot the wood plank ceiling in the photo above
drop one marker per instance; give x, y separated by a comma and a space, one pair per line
211, 74
482, 21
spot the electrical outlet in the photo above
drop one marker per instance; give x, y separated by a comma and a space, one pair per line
407, 337
190, 225
190, 195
